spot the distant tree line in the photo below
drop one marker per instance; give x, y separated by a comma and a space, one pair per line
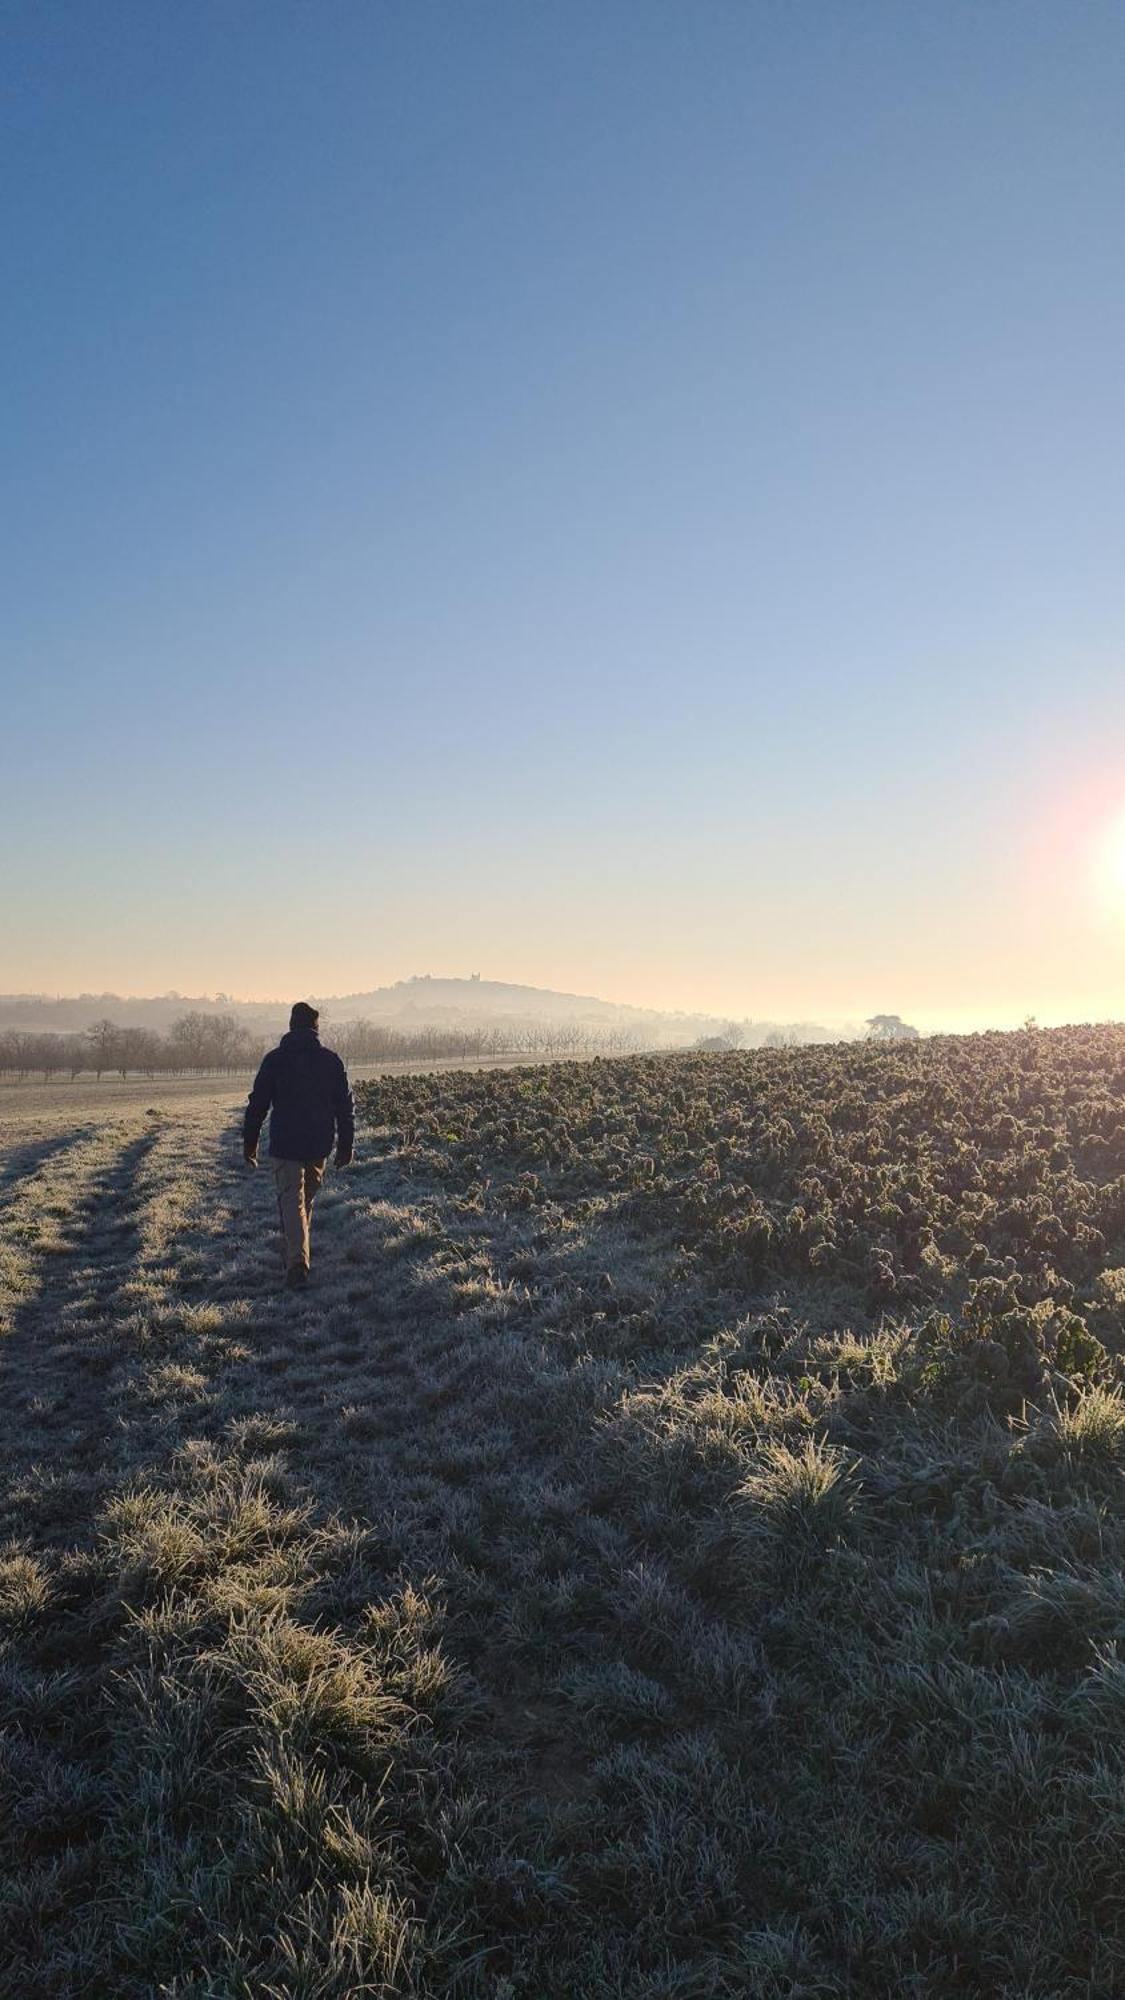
743, 1035
752, 1035
217, 1044
374, 1041
195, 1045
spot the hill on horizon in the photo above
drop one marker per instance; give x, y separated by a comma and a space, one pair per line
418, 1001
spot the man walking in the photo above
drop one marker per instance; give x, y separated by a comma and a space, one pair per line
311, 1100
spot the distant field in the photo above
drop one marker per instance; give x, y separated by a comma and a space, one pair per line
674, 1550
31, 1102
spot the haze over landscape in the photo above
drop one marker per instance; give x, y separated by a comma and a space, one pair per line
509, 1017
628, 499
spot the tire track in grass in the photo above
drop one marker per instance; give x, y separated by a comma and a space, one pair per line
24, 1162
455, 1386
198, 1539
399, 1432
580, 1636
103, 1366
374, 1378
59, 1356
44, 1211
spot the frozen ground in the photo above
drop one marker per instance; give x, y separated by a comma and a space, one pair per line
520, 1614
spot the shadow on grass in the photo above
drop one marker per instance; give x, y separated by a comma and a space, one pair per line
59, 1358
681, 1712
25, 1161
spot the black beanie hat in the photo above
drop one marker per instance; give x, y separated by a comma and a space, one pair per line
304, 1016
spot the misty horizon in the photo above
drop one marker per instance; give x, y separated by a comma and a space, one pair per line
414, 989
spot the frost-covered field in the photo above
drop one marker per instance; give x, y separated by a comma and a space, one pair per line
674, 1549
65, 1101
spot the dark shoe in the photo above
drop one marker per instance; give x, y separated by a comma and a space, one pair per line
297, 1277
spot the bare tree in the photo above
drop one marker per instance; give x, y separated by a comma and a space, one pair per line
103, 1039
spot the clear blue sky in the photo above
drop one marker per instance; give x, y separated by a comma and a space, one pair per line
621, 496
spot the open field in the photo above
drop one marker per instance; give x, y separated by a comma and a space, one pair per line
64, 1101
674, 1550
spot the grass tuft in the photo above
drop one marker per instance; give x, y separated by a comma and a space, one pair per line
799, 1493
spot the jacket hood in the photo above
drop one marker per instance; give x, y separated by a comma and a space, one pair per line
300, 1038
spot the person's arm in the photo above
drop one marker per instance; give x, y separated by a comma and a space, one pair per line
257, 1104
343, 1106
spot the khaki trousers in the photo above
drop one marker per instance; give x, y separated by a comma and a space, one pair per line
298, 1182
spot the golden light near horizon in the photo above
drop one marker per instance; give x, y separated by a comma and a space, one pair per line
1109, 869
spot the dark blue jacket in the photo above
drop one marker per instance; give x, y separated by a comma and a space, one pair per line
307, 1086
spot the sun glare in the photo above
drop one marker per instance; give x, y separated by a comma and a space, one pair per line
1111, 867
